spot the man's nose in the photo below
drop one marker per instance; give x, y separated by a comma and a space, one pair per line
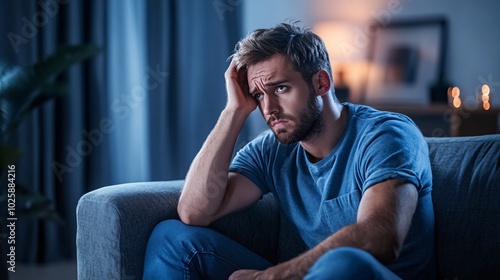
270, 105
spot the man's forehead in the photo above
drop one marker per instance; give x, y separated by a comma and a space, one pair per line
278, 67
268, 66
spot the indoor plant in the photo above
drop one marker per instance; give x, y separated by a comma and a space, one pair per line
23, 89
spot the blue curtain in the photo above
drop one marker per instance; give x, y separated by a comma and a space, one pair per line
138, 111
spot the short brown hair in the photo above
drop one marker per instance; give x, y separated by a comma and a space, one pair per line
305, 49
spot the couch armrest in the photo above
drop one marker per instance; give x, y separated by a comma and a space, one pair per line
114, 224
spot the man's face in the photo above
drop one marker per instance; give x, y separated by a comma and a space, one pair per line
288, 104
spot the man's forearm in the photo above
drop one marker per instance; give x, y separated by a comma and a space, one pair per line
207, 177
355, 235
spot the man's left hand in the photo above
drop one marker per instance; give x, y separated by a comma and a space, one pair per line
278, 272
246, 274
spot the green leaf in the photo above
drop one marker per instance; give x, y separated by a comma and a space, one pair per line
40, 211
32, 205
61, 60
8, 155
23, 88
55, 88
17, 85
47, 93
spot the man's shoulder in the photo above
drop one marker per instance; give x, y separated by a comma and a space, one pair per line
372, 119
369, 113
370, 128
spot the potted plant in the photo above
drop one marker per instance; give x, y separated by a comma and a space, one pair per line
23, 89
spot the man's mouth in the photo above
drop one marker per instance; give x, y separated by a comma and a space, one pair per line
278, 123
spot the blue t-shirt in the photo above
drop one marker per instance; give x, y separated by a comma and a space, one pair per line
321, 198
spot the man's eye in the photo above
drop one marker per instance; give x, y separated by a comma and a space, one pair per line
280, 88
258, 96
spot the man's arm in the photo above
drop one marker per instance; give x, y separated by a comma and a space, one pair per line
210, 191
384, 218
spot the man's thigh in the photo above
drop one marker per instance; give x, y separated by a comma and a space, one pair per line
180, 251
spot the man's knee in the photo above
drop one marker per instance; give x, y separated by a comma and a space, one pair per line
174, 232
349, 255
344, 263
169, 228
171, 243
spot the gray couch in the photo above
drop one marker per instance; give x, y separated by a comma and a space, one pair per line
114, 222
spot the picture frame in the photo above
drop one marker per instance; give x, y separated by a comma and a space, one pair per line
407, 57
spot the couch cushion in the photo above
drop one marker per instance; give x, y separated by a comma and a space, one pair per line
466, 198
256, 228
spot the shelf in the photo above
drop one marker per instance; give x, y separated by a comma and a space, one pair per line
439, 120
415, 109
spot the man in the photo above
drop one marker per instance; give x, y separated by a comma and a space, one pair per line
355, 182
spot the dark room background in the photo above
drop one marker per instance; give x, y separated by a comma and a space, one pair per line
139, 110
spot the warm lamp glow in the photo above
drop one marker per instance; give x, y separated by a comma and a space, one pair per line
344, 52
485, 90
485, 97
455, 92
454, 97
339, 40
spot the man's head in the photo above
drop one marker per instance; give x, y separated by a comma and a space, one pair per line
306, 50
288, 70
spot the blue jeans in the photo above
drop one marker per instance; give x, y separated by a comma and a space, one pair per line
179, 251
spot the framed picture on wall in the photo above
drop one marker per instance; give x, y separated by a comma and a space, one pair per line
406, 58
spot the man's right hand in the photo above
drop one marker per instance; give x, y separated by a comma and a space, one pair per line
238, 98
210, 190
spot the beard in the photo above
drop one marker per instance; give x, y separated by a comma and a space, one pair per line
309, 124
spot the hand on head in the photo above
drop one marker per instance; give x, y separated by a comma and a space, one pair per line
237, 90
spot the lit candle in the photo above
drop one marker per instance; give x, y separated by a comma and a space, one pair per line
485, 97
455, 94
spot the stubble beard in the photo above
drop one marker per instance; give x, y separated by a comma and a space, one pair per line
308, 125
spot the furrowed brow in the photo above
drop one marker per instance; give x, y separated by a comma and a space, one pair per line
275, 83
255, 90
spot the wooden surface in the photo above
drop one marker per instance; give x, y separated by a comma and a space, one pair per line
439, 120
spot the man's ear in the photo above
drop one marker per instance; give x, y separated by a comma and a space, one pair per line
322, 82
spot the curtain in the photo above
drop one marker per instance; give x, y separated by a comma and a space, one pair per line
138, 111
191, 43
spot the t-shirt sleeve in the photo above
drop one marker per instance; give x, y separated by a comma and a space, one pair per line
251, 162
396, 149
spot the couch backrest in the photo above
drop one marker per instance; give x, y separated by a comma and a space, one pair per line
466, 199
